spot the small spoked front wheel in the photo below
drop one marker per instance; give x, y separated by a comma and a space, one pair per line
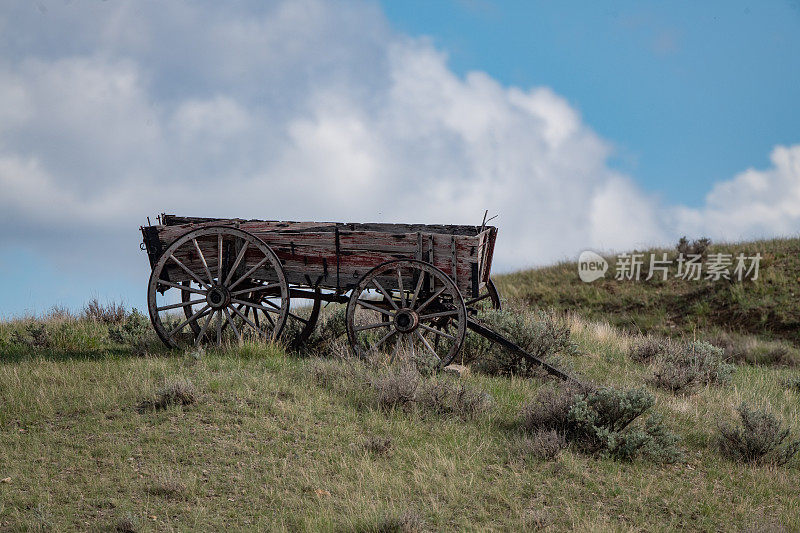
409, 309
217, 284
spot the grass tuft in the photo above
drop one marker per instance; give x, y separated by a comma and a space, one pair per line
179, 392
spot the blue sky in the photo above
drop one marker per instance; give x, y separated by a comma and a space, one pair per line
690, 93
583, 125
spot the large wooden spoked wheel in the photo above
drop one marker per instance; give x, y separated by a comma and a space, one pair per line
407, 308
231, 287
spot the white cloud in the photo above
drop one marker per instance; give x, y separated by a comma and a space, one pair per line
310, 110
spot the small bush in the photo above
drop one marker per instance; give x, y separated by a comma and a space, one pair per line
111, 313
544, 444
604, 422
647, 349
750, 350
396, 388
325, 338
402, 388
674, 376
537, 332
549, 410
760, 439
407, 522
173, 393
378, 445
35, 335
696, 247
698, 363
445, 397
169, 488
130, 523
134, 331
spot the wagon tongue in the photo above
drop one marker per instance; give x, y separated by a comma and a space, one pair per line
483, 330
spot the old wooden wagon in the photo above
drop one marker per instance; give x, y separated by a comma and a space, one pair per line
409, 288
405, 285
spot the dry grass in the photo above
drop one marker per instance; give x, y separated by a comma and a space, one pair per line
279, 442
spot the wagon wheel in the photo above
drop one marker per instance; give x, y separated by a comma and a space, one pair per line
215, 266
409, 307
488, 298
304, 324
307, 324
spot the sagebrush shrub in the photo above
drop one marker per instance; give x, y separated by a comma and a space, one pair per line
544, 444
378, 445
133, 331
793, 384
537, 332
750, 350
35, 335
646, 349
395, 388
697, 363
605, 422
179, 392
761, 438
698, 246
549, 409
402, 388
111, 313
710, 362
406, 522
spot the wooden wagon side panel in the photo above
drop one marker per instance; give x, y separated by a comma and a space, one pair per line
332, 256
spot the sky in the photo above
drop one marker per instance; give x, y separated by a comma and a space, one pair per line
582, 125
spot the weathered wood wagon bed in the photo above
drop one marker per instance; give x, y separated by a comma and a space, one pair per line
408, 287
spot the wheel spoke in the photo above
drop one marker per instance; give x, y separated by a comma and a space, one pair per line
276, 306
230, 320
238, 260
427, 345
429, 300
277, 309
186, 269
182, 287
219, 257
182, 304
246, 274
203, 330
385, 294
453, 312
437, 331
417, 289
219, 328
195, 316
368, 305
372, 326
396, 350
400, 287
256, 289
383, 339
478, 299
256, 328
203, 260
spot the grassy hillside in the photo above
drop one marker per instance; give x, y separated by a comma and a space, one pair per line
100, 429
768, 307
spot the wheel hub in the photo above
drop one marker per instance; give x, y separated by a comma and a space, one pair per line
218, 297
406, 320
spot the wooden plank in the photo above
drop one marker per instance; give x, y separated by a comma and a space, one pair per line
308, 249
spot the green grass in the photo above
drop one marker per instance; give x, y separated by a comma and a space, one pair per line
767, 307
266, 446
